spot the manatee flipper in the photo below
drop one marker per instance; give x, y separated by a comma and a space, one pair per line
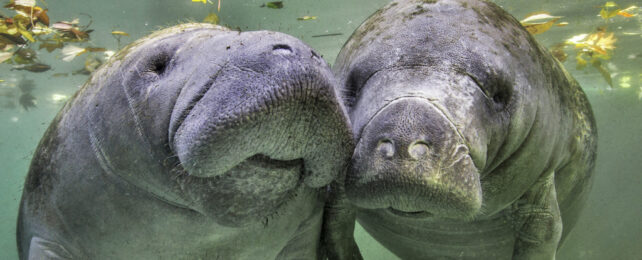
539, 227
44, 249
337, 240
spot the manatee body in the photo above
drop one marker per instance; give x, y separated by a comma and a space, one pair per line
473, 142
195, 142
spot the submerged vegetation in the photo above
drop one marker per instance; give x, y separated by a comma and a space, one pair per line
30, 27
592, 48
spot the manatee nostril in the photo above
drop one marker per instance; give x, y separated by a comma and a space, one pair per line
386, 148
282, 49
418, 150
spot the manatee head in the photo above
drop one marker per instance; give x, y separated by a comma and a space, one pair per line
242, 122
442, 95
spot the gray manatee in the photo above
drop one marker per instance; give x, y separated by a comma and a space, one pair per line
473, 142
195, 142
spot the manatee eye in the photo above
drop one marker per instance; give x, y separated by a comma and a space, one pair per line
158, 63
496, 90
502, 94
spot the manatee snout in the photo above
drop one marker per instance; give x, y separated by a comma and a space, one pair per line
411, 159
272, 102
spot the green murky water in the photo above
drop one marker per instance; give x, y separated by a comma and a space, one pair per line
610, 226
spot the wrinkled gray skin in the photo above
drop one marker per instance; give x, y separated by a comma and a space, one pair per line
193, 143
472, 141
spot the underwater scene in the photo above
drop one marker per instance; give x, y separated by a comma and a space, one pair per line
49, 49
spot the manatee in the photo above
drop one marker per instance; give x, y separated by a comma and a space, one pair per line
195, 142
472, 141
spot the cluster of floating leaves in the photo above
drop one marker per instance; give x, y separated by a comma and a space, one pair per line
214, 19
29, 27
590, 48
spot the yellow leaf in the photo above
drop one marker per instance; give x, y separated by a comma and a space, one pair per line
27, 35
606, 14
538, 17
305, 18
610, 4
120, 33
540, 22
627, 12
597, 44
539, 27
203, 1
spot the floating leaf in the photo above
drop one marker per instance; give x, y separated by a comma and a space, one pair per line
32, 13
121, 33
39, 29
25, 2
538, 17
27, 35
60, 74
273, 5
51, 45
64, 25
9, 38
540, 22
211, 18
71, 51
609, 10
36, 67
627, 12
306, 18
599, 42
203, 1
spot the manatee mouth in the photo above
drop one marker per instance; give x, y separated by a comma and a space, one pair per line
409, 214
252, 191
271, 163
